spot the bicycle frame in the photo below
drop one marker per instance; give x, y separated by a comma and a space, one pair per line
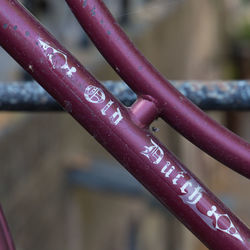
6, 242
124, 131
140, 75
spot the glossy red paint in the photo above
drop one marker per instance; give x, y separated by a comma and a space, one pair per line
140, 75
119, 129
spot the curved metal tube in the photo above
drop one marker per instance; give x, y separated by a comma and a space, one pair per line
140, 75
118, 129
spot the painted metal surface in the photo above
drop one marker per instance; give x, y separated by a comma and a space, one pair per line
215, 95
140, 75
118, 129
6, 242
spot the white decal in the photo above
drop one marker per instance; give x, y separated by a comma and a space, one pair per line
154, 153
94, 95
231, 229
191, 192
116, 117
177, 177
169, 172
106, 108
195, 196
188, 183
51, 55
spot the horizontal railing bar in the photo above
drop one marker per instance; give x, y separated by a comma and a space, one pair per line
208, 95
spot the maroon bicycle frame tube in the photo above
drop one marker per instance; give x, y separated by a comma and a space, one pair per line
122, 131
140, 75
6, 242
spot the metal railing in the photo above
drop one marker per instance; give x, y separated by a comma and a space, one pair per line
124, 131
208, 95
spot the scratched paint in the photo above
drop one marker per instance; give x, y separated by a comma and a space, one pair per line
93, 11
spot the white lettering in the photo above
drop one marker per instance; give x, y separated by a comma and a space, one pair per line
178, 176
116, 117
169, 172
154, 153
106, 108
94, 94
196, 194
188, 183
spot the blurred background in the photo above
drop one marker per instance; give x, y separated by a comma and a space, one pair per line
61, 190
